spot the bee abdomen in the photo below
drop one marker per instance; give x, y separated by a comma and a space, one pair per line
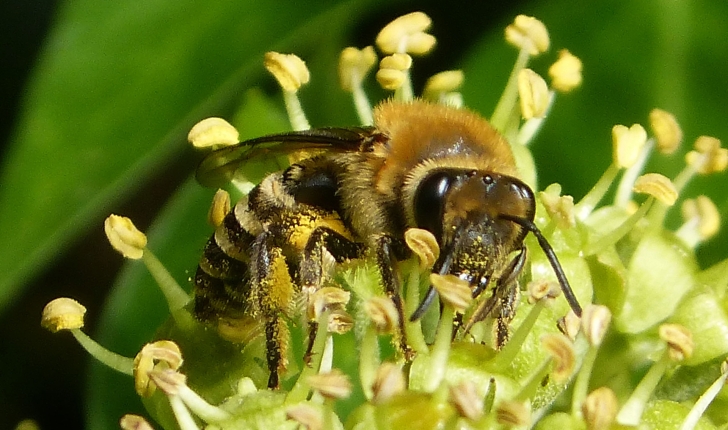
222, 279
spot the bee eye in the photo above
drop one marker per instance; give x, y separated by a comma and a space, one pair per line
429, 202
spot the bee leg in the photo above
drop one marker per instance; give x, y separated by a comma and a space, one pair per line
272, 294
386, 256
504, 300
322, 240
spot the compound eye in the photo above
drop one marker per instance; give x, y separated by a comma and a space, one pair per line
429, 202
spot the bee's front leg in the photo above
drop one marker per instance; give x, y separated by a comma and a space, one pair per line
387, 251
503, 302
323, 240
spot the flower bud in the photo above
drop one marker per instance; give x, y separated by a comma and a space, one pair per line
407, 34
595, 321
134, 422
306, 415
124, 237
340, 322
332, 385
513, 413
560, 208
62, 314
383, 314
327, 298
466, 400
708, 156
666, 129
627, 144
679, 341
703, 212
600, 409
533, 93
528, 33
213, 132
288, 69
388, 382
561, 350
657, 186
565, 72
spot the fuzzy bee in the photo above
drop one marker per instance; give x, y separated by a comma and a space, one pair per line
355, 192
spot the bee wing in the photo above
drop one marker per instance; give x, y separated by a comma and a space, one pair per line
255, 157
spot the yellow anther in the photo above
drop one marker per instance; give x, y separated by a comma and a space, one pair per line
666, 129
407, 34
533, 93
657, 186
566, 72
528, 33
627, 144
288, 69
125, 237
212, 133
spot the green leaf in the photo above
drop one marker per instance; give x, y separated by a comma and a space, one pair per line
113, 96
659, 274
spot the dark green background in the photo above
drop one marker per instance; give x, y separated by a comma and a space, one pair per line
103, 115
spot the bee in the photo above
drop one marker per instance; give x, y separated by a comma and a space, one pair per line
354, 192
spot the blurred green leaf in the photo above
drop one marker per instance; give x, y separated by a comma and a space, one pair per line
113, 96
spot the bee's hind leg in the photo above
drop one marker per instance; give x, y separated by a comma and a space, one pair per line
322, 241
272, 294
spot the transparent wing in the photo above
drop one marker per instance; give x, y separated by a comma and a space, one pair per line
253, 158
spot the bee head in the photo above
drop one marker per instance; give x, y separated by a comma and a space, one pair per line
469, 212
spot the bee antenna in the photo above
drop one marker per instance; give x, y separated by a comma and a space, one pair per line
551, 256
